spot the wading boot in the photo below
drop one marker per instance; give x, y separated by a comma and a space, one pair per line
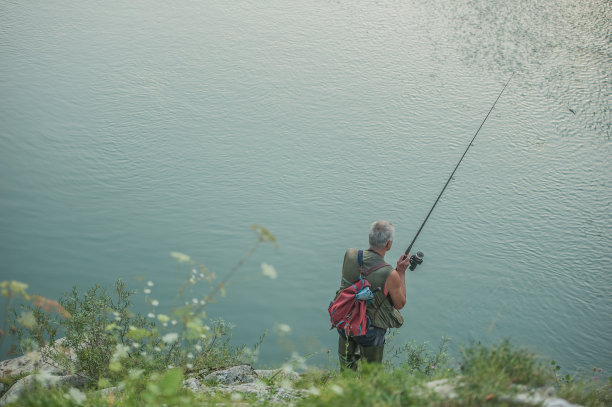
372, 354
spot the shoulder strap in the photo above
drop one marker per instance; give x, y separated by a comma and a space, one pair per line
363, 272
373, 269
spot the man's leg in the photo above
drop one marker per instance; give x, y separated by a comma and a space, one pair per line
372, 354
372, 344
347, 352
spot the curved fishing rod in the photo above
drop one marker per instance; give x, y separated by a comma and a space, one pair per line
417, 258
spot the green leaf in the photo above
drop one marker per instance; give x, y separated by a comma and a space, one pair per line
171, 382
264, 234
137, 334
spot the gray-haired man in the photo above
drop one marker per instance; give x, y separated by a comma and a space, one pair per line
389, 287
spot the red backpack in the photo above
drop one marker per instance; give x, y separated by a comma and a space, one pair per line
348, 310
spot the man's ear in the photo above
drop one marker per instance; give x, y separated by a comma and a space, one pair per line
388, 245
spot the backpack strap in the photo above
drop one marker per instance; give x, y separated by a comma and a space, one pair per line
373, 269
387, 297
367, 273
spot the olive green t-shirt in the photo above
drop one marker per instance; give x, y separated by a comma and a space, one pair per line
380, 310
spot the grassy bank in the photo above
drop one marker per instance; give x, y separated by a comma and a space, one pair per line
485, 375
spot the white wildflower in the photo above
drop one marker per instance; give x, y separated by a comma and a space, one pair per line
121, 351
189, 366
181, 257
337, 389
190, 355
170, 338
151, 315
282, 329
173, 322
163, 318
202, 302
298, 361
136, 345
157, 349
268, 270
147, 291
195, 300
77, 395
198, 347
155, 303
150, 283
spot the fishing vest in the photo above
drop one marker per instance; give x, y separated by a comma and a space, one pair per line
380, 310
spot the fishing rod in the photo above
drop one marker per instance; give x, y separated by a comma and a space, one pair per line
417, 258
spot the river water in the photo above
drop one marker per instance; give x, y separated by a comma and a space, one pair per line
132, 129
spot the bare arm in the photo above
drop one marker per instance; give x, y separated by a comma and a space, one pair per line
396, 283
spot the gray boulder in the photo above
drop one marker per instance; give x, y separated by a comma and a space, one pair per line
243, 380
34, 361
45, 379
233, 375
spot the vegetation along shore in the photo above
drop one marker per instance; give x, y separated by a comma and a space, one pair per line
92, 349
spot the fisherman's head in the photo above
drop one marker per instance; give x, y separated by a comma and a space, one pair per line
381, 235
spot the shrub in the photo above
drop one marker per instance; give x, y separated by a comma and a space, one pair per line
104, 340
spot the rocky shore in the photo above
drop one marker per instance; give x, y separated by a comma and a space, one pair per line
273, 386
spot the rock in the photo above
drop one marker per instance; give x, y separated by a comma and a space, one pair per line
32, 361
257, 388
443, 388
541, 397
233, 375
544, 397
556, 402
26, 364
44, 378
277, 374
194, 385
241, 380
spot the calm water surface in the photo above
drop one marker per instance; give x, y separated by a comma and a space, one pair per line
130, 130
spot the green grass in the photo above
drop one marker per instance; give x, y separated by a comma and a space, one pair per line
484, 376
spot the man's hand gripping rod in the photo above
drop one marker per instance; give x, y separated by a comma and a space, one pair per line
417, 258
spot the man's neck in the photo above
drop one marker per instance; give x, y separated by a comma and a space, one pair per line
381, 252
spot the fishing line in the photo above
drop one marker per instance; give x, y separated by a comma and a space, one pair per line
417, 258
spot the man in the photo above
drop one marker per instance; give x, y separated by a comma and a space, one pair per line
389, 287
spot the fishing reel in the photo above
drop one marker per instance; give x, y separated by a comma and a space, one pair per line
415, 260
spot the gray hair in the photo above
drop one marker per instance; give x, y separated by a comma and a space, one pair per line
381, 232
